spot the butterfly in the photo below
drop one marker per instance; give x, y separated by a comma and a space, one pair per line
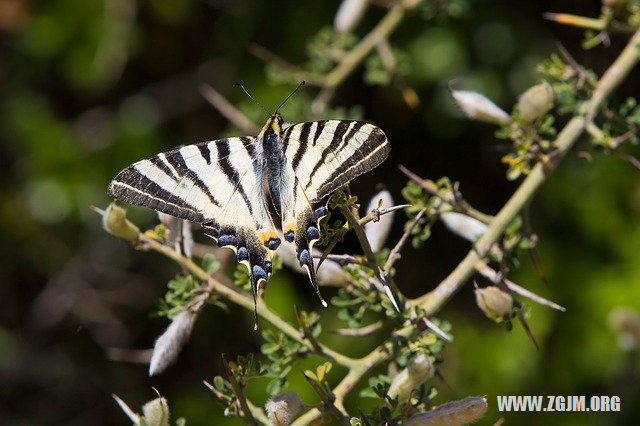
226, 185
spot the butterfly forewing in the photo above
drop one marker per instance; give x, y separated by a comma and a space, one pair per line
326, 154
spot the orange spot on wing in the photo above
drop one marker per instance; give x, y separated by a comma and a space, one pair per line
290, 227
266, 235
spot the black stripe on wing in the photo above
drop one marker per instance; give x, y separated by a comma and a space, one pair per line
231, 172
341, 129
177, 161
374, 150
133, 187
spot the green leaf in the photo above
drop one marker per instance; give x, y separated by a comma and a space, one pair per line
269, 348
210, 264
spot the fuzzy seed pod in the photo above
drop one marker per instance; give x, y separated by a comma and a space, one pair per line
418, 371
476, 106
156, 412
115, 222
452, 413
377, 232
495, 303
169, 344
282, 409
536, 102
464, 226
349, 14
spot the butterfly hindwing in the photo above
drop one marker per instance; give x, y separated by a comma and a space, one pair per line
217, 184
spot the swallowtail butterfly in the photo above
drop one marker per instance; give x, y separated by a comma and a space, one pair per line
224, 185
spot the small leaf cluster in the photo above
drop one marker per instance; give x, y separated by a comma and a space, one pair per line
243, 369
326, 48
572, 84
420, 199
282, 351
183, 288
529, 143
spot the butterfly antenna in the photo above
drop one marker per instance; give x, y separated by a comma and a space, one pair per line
302, 83
252, 98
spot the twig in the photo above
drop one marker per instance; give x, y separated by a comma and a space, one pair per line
306, 332
351, 60
362, 331
630, 159
394, 255
237, 389
228, 110
387, 281
447, 202
329, 401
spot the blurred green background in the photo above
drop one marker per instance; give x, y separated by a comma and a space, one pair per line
89, 87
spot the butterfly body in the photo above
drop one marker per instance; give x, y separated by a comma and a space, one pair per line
225, 185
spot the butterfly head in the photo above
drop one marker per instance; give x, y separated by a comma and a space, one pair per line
273, 125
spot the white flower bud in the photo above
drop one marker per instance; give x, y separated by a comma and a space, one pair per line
349, 14
536, 101
452, 413
476, 106
169, 344
495, 303
464, 226
281, 409
156, 412
377, 232
418, 371
625, 322
115, 222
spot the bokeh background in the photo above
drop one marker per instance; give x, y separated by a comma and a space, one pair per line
89, 87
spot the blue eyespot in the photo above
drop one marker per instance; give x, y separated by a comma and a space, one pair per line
243, 254
227, 240
273, 243
289, 236
313, 233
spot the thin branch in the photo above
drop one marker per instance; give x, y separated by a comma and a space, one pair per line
328, 400
237, 389
394, 255
387, 282
306, 332
362, 331
447, 202
225, 108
